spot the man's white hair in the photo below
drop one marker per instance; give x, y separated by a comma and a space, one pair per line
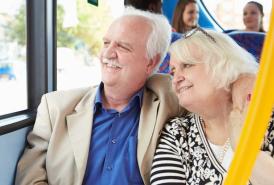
224, 59
160, 36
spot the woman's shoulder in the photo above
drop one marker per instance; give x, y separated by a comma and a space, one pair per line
188, 118
179, 124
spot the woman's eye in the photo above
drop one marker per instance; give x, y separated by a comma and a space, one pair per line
172, 71
187, 65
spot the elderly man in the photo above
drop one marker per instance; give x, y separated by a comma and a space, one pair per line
106, 135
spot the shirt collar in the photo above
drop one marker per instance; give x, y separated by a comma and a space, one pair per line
98, 97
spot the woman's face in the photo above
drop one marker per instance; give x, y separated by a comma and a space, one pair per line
252, 17
190, 15
192, 84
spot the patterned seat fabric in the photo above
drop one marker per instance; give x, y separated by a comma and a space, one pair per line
164, 66
251, 41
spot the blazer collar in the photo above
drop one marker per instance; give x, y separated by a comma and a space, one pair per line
79, 126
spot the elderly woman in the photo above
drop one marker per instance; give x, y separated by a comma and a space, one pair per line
198, 148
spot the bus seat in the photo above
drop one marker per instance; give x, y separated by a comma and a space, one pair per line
230, 30
11, 147
251, 41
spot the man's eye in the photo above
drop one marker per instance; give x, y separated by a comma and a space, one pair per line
123, 47
106, 43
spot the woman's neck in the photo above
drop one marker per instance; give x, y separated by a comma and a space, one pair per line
256, 29
215, 120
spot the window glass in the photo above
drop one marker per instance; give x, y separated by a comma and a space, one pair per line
229, 14
13, 85
80, 28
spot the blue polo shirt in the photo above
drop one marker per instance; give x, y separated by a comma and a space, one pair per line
112, 156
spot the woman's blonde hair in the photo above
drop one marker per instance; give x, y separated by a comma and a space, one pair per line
225, 60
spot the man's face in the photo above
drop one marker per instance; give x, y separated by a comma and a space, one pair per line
124, 61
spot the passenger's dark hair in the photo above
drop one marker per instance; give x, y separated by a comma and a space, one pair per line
177, 22
261, 10
141, 4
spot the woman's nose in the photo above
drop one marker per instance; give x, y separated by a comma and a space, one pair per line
177, 78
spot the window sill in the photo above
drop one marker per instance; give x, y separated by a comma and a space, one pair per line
16, 121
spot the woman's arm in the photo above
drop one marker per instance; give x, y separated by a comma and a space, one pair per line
263, 170
167, 167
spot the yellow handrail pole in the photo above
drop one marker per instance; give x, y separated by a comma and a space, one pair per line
258, 116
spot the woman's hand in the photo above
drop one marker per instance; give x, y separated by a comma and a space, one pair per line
241, 94
241, 91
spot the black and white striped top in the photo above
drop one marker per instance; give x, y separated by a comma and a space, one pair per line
183, 155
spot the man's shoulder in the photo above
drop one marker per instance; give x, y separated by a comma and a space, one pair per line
159, 83
159, 86
70, 93
69, 97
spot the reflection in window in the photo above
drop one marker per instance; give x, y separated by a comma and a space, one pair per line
13, 91
80, 28
229, 14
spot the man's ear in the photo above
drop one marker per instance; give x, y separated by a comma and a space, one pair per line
153, 63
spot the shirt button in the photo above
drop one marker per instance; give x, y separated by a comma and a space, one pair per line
109, 168
113, 141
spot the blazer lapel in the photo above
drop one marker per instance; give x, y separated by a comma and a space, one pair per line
146, 124
79, 130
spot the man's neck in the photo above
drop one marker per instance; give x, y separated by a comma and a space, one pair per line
117, 100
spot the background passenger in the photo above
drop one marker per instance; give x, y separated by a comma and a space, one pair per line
198, 148
253, 16
185, 16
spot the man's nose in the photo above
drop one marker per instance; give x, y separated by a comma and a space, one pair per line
110, 52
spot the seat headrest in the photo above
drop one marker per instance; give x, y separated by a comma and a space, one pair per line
251, 41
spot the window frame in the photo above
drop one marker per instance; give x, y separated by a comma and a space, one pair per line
41, 62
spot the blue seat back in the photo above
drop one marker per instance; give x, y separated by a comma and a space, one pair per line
251, 41
11, 147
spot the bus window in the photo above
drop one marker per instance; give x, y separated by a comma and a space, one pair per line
80, 28
13, 85
229, 14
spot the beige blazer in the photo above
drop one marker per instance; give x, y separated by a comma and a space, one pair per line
59, 142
